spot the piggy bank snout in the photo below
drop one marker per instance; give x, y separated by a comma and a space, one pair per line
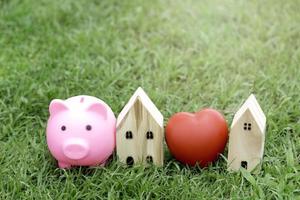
76, 149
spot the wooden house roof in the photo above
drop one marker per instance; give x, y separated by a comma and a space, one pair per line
254, 108
141, 95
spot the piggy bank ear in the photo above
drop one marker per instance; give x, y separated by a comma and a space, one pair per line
57, 106
99, 109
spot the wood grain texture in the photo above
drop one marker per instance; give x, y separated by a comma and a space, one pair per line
247, 145
140, 121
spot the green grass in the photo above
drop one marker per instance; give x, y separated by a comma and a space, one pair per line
186, 54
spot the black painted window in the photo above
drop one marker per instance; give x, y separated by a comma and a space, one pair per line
149, 159
149, 135
129, 161
129, 135
244, 164
247, 126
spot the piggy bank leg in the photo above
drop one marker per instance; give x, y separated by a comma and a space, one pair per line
103, 164
63, 165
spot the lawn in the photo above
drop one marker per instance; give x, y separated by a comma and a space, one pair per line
187, 55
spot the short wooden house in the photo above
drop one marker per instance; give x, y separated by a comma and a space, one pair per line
247, 136
140, 131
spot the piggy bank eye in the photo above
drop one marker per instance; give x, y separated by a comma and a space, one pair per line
88, 127
63, 128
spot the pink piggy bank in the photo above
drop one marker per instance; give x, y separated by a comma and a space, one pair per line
81, 131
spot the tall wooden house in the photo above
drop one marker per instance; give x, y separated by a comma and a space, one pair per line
247, 136
140, 132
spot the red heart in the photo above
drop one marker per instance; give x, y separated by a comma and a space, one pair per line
197, 137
